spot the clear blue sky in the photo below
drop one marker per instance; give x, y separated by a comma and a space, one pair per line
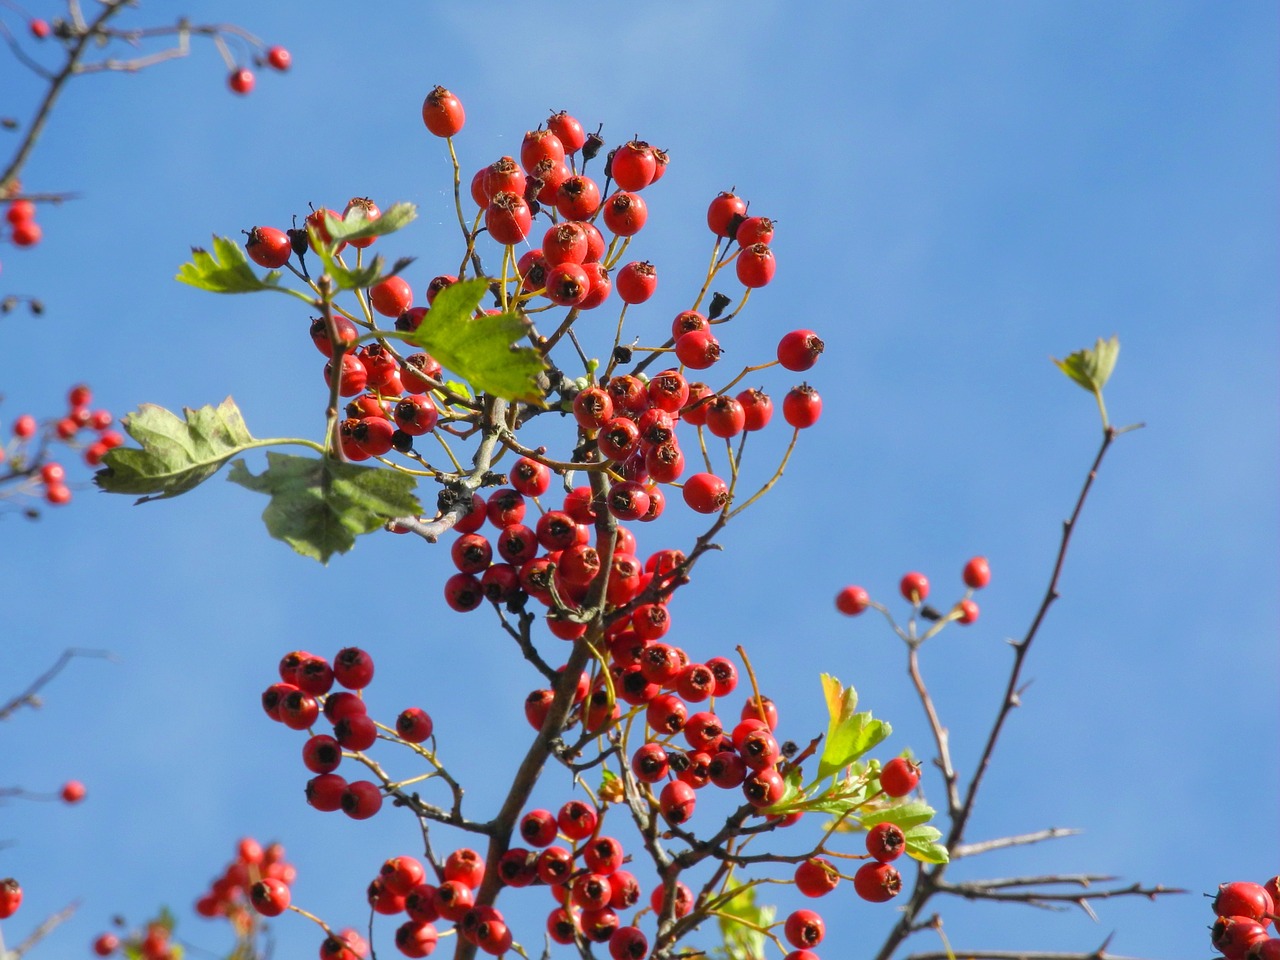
961, 193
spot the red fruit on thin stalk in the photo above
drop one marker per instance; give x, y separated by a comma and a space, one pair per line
852, 600
799, 350
278, 58
241, 81
442, 113
877, 882
899, 776
977, 573
725, 213
914, 587
268, 247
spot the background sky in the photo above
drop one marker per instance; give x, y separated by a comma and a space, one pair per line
961, 193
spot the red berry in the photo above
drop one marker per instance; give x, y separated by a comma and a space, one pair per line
977, 573
416, 938
72, 791
279, 58
754, 230
578, 198
564, 243
698, 350
508, 218
1233, 936
628, 943
816, 877
577, 820
633, 165
39, 28
326, 791
353, 668
802, 406
682, 902
706, 493
756, 265
804, 929
465, 866
1242, 899
914, 587
764, 788
899, 776
361, 800
725, 213
968, 611
886, 842
637, 281
10, 897
567, 284
877, 882
25, 234
270, 897
725, 417
625, 213
392, 296
57, 494
799, 349
677, 801
442, 113
241, 81
20, 211
106, 944
851, 601
268, 247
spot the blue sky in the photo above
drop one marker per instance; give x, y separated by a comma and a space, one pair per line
961, 193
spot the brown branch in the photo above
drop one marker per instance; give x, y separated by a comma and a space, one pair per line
986, 846
40, 932
29, 698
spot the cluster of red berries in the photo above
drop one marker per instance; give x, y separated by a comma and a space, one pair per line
914, 587
21, 218
1244, 912
27, 451
242, 80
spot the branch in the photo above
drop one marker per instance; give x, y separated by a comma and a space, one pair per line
43, 930
986, 846
29, 698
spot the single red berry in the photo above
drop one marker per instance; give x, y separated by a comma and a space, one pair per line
508, 218
39, 28
633, 165
851, 601
754, 230
353, 668
804, 929
268, 247
914, 587
106, 944
698, 350
593, 408
392, 296
756, 265
25, 234
578, 198
899, 776
463, 592
416, 414
361, 800
10, 897
20, 211
628, 943
725, 213
322, 754
637, 281
577, 820
567, 284
756, 708
706, 493
279, 58
886, 842
625, 213
241, 81
1233, 936
538, 828
799, 349
757, 407
802, 406
326, 791
57, 494
764, 788
682, 901
968, 611
816, 877
725, 417
877, 882
465, 866
567, 130
442, 113
977, 573
599, 286
72, 791
1242, 899
269, 897
416, 938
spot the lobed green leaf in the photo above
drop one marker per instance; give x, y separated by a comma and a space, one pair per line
356, 225
481, 349
319, 505
226, 270
741, 920
177, 454
849, 734
1092, 368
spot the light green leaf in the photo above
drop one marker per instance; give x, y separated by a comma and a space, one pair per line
319, 506
1092, 368
226, 270
739, 917
482, 349
176, 454
357, 226
849, 734
354, 278
922, 845
912, 817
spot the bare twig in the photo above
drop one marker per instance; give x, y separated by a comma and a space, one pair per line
29, 698
986, 846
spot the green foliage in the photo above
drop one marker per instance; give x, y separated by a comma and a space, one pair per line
176, 454
849, 734
226, 270
355, 225
482, 349
361, 277
319, 505
1092, 368
741, 921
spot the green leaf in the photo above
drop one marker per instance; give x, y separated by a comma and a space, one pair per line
1092, 368
355, 278
849, 734
481, 350
226, 270
738, 917
355, 225
922, 845
319, 506
912, 817
176, 454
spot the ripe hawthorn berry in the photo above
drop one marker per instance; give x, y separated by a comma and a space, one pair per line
539, 145
886, 842
914, 587
633, 165
816, 877
1242, 899
442, 113
508, 218
725, 213
53, 472
763, 788
756, 407
625, 213
106, 944
968, 611
754, 230
322, 753
628, 943
26, 234
1233, 936
268, 247
270, 897
392, 296
278, 58
353, 668
578, 198
72, 791
681, 902
416, 938
756, 265
361, 800
598, 925
802, 406
599, 286
725, 417
899, 776
977, 573
852, 600
804, 929
877, 882
567, 130
465, 866
10, 897
567, 284
577, 820
355, 732
39, 28
637, 281
241, 81
698, 350
799, 350
706, 493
